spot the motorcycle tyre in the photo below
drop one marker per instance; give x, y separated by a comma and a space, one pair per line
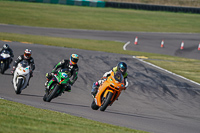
2, 68
19, 85
45, 97
107, 102
52, 94
94, 106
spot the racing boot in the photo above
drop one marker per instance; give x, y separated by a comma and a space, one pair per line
48, 76
68, 88
31, 75
95, 87
46, 83
46, 86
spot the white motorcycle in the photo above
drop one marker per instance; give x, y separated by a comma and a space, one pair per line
21, 76
4, 60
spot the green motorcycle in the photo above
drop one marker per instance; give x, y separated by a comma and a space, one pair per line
57, 85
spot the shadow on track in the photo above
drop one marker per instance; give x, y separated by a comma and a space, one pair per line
130, 115
7, 74
30, 95
152, 81
74, 105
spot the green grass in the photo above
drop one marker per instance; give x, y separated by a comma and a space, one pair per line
19, 118
78, 17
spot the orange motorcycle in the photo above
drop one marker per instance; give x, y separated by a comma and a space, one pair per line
109, 91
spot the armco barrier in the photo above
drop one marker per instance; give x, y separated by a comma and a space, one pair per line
92, 3
98, 3
152, 7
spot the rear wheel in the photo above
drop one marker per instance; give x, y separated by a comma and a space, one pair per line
52, 93
94, 106
106, 101
19, 85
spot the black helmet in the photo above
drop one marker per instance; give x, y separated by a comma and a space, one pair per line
5, 46
122, 67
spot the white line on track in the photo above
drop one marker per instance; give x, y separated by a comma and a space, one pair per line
124, 47
166, 70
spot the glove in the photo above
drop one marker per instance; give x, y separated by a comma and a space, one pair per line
47, 75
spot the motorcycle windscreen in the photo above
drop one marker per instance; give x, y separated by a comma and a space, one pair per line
5, 52
24, 63
119, 77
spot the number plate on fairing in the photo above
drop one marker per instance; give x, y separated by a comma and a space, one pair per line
64, 75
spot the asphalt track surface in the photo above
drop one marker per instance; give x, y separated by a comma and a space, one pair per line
155, 101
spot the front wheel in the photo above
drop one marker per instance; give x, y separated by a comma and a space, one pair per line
106, 101
52, 93
94, 106
19, 85
45, 97
2, 68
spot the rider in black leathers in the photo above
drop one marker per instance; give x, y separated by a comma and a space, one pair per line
26, 56
7, 48
72, 67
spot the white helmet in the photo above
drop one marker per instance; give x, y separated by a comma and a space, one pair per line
27, 54
5, 46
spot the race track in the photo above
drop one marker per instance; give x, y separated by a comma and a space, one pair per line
155, 100
147, 42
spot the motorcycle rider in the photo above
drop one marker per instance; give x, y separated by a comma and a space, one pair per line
72, 67
26, 56
121, 67
7, 48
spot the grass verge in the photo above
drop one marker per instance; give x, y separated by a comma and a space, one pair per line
20, 118
79, 17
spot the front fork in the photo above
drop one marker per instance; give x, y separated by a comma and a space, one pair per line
114, 97
1, 63
49, 83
